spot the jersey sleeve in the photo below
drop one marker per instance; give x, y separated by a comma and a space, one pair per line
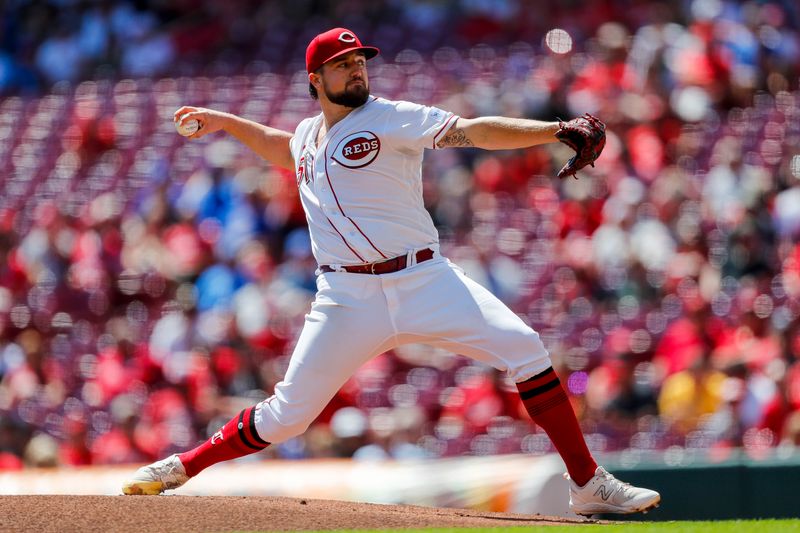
297, 139
422, 126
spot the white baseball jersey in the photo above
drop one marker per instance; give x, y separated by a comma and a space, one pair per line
361, 188
362, 192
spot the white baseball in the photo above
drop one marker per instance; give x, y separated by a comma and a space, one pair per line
187, 128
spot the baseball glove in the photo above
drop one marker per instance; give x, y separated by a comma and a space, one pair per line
587, 136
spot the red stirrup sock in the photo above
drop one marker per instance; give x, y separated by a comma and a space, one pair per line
237, 438
547, 403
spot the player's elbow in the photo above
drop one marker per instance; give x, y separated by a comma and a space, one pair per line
485, 132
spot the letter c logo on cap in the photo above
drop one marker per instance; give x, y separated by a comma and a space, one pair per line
347, 37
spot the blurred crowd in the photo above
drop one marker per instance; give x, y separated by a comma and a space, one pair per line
151, 286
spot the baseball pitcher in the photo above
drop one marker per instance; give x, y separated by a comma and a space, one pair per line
382, 280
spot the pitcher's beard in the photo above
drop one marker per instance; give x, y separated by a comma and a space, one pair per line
353, 96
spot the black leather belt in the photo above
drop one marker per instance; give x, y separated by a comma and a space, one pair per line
382, 267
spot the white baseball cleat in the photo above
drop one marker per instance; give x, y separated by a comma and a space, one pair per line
157, 477
606, 494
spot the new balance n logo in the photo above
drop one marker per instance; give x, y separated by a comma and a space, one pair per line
604, 492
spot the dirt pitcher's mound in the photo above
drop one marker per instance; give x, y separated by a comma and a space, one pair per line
140, 514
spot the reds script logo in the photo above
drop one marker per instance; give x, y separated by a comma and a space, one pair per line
357, 150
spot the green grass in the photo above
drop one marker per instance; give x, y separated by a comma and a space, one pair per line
726, 526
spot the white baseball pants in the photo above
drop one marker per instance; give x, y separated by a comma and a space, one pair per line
356, 317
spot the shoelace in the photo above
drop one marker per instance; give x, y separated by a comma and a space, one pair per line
623, 487
166, 471
608, 476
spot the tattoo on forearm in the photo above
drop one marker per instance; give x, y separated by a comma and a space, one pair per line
454, 138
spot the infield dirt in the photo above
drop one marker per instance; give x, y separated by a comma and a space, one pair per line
140, 514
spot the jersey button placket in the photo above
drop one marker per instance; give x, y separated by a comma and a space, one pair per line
324, 195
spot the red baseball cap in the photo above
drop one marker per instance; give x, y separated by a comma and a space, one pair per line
334, 43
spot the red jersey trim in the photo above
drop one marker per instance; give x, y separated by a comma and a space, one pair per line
335, 197
344, 240
313, 172
441, 131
